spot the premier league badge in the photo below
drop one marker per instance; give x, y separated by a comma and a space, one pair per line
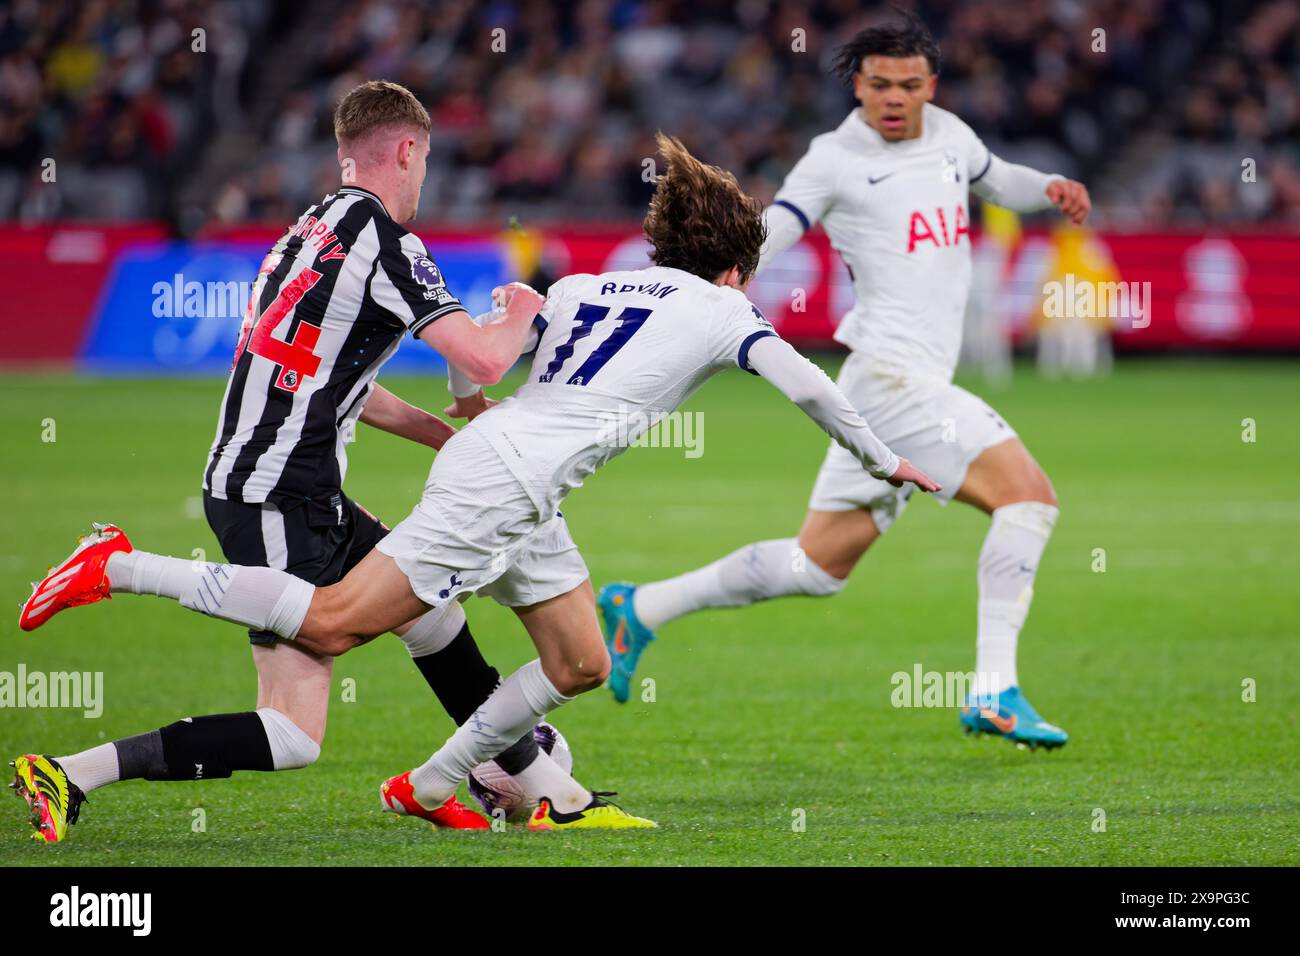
425, 272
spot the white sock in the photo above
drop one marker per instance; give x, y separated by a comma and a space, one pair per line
291, 748
513, 709
260, 598
1008, 563
546, 778
430, 634
93, 768
432, 631
756, 572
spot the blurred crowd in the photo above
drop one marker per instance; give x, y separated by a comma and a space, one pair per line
106, 105
547, 109
1233, 146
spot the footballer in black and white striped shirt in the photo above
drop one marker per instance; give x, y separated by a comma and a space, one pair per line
332, 302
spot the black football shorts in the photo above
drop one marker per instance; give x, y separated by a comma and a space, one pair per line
317, 540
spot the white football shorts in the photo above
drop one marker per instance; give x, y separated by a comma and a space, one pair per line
476, 531
939, 426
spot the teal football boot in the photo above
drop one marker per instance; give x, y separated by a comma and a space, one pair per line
625, 636
1010, 715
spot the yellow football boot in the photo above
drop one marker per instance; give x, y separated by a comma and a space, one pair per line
600, 814
54, 800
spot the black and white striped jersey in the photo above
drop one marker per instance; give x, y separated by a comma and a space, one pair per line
331, 303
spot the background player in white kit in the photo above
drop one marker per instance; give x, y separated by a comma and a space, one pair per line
890, 186
636, 343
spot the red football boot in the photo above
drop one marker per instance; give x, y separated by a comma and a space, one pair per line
398, 796
81, 579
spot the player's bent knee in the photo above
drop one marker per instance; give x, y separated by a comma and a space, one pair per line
593, 673
1048, 494
816, 581
588, 682
570, 683
580, 676
327, 643
291, 747
340, 644
1025, 481
825, 569
327, 629
836, 541
1038, 489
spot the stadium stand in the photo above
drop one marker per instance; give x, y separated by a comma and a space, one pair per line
558, 124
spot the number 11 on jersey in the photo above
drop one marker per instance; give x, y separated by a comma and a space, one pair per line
629, 320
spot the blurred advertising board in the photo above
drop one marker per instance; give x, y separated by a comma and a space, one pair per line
126, 298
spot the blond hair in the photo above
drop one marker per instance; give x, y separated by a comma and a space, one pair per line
376, 105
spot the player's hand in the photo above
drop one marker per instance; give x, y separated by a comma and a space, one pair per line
909, 472
470, 407
503, 294
1071, 199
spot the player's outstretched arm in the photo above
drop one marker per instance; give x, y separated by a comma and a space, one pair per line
808, 387
485, 353
1023, 189
387, 412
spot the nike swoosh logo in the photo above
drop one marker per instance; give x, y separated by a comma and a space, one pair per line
1004, 724
872, 180
620, 645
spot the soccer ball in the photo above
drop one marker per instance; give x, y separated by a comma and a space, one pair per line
495, 789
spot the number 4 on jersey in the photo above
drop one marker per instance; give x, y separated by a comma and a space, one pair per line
295, 358
629, 320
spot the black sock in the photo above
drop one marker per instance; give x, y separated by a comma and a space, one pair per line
197, 748
461, 679
519, 755
459, 676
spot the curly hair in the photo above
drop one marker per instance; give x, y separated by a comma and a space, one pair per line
700, 220
906, 37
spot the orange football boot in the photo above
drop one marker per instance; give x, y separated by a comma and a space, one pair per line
80, 579
398, 796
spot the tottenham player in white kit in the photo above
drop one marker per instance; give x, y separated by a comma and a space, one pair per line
890, 187
635, 343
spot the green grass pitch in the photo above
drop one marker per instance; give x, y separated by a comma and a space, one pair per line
758, 714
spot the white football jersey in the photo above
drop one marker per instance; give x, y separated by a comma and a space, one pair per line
899, 216
617, 352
